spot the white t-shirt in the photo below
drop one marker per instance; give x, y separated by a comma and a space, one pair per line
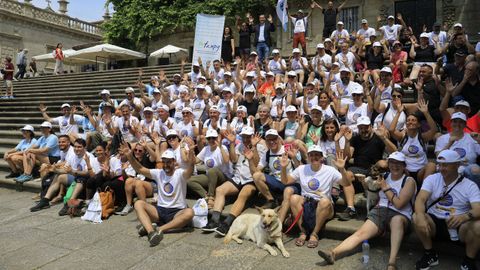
151, 127
391, 32
241, 169
179, 105
328, 147
310, 103
276, 66
64, 123
327, 60
315, 184
299, 25
466, 147
274, 163
221, 124
457, 202
78, 163
124, 129
186, 129
354, 113
282, 101
173, 91
198, 106
222, 107
442, 38
366, 33
138, 102
215, 159
350, 60
396, 186
114, 163
172, 190
297, 63
339, 35
415, 155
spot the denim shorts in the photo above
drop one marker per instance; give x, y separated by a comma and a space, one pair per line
165, 215
278, 187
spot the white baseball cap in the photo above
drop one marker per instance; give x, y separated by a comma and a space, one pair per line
275, 51
271, 132
336, 64
386, 69
178, 75
163, 107
357, 89
364, 21
296, 50
424, 35
105, 92
247, 131
202, 78
291, 108
458, 25
168, 154
391, 17
187, 109
214, 108
227, 89
316, 107
172, 132
377, 44
459, 115
227, 73
249, 89
200, 86
241, 108
154, 78
462, 103
312, 83
398, 156
183, 89
327, 40
292, 73
449, 156
46, 124
363, 120
320, 46
28, 128
211, 133
195, 64
280, 86
344, 69
253, 53
315, 148
156, 91
65, 105
129, 90
251, 74
148, 109
270, 74
340, 22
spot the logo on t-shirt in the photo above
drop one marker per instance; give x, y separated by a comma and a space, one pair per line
356, 116
461, 152
276, 164
210, 163
413, 149
168, 189
386, 95
313, 184
446, 201
184, 133
64, 122
198, 106
310, 105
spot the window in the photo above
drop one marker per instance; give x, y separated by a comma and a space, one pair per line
349, 16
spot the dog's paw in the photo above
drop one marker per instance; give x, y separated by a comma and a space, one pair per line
273, 253
286, 254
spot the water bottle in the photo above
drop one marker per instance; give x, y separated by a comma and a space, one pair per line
365, 252
453, 232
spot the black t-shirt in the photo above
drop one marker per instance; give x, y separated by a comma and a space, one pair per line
367, 152
330, 17
374, 61
451, 50
252, 108
453, 72
147, 164
244, 39
425, 55
260, 129
431, 93
471, 93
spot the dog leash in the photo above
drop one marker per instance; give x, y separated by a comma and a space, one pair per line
295, 221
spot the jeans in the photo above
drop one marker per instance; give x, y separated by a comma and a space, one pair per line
21, 71
263, 51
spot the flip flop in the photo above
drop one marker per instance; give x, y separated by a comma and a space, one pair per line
300, 241
326, 256
312, 243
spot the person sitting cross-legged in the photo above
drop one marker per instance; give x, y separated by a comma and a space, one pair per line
316, 181
394, 211
448, 208
171, 211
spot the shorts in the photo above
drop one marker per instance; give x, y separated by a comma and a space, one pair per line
154, 186
240, 186
278, 187
53, 159
165, 215
381, 217
8, 83
309, 217
441, 229
71, 178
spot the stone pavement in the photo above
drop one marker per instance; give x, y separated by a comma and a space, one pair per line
43, 240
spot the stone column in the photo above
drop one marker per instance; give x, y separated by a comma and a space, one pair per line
63, 6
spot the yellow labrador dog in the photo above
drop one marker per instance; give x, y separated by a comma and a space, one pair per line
263, 229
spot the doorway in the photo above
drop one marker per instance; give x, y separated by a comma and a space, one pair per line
417, 14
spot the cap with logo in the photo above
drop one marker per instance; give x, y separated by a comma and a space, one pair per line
129, 90
386, 70
320, 46
398, 156
247, 131
292, 73
271, 132
448, 156
148, 109
211, 133
214, 108
462, 103
363, 121
187, 109
315, 148
172, 132
296, 50
291, 108
241, 108
65, 105
459, 115
168, 154
275, 51
364, 21
105, 92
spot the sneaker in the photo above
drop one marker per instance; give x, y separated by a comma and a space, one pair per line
20, 177
63, 211
11, 97
24, 178
12, 175
222, 229
155, 237
42, 204
210, 227
427, 260
270, 204
141, 230
125, 211
347, 214
468, 265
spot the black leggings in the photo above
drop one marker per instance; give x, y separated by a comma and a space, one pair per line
116, 184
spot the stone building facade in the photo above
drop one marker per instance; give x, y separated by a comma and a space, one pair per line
23, 25
415, 13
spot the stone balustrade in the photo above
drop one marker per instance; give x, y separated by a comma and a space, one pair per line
49, 16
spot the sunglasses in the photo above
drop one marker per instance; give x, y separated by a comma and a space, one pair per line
138, 150
211, 138
171, 138
184, 113
357, 95
396, 96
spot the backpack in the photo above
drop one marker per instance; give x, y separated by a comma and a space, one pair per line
107, 200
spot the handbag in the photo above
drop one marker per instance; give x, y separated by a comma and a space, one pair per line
74, 207
94, 210
107, 199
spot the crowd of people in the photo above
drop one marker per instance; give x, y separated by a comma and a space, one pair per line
298, 132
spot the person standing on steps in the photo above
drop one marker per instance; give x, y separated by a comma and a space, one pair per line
262, 39
58, 55
21, 64
7, 72
329, 17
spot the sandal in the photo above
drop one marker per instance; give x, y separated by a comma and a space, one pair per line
210, 202
328, 257
391, 266
300, 241
313, 243
56, 200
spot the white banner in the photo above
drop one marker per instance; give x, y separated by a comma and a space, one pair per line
208, 38
282, 13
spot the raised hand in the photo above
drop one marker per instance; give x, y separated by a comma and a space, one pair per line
340, 161
73, 110
292, 151
284, 160
231, 137
124, 149
314, 137
161, 75
42, 108
155, 138
348, 134
422, 106
399, 16
248, 153
270, 18
379, 18
381, 131
256, 138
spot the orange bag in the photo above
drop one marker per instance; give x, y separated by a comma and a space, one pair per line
107, 199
